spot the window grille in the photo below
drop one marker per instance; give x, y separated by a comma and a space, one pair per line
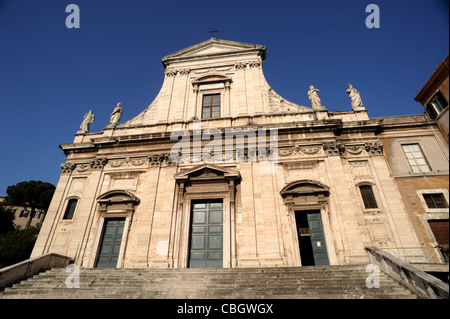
368, 196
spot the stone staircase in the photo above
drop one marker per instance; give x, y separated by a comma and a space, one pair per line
318, 282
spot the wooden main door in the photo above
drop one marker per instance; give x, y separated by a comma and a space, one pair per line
206, 235
110, 243
311, 238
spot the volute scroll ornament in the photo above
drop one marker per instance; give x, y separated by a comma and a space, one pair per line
240, 65
170, 73
374, 148
67, 167
332, 148
98, 163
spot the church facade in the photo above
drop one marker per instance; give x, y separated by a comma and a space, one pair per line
221, 171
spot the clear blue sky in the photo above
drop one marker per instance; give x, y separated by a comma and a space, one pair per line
50, 76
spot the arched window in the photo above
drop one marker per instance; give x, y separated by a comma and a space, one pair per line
70, 208
368, 196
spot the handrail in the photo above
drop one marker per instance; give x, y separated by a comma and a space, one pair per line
423, 284
416, 254
31, 267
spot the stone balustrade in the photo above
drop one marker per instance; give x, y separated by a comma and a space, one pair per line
423, 284
30, 267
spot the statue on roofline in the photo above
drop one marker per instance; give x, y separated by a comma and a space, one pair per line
87, 120
314, 98
116, 115
355, 98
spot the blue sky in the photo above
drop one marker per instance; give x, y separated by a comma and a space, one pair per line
50, 76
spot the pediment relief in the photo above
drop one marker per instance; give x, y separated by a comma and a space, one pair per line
207, 171
214, 47
208, 50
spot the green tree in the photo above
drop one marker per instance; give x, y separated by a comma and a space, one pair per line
17, 245
33, 194
6, 220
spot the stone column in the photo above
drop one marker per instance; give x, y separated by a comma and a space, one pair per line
196, 101
227, 99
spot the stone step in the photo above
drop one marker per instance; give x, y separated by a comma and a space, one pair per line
83, 274
217, 293
230, 288
343, 282
213, 285
202, 281
315, 269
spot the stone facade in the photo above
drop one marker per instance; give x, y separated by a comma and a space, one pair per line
321, 161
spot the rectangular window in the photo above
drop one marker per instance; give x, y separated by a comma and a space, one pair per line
416, 158
435, 200
211, 106
24, 213
436, 105
368, 196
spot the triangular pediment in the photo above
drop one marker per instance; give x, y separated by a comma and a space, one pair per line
214, 47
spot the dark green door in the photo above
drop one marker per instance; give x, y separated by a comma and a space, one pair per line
317, 239
110, 244
311, 238
206, 237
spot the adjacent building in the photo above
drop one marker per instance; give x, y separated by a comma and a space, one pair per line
417, 154
416, 148
21, 215
434, 97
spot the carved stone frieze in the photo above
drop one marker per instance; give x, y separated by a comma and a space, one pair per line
309, 150
354, 149
128, 162
82, 167
252, 154
289, 152
297, 150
